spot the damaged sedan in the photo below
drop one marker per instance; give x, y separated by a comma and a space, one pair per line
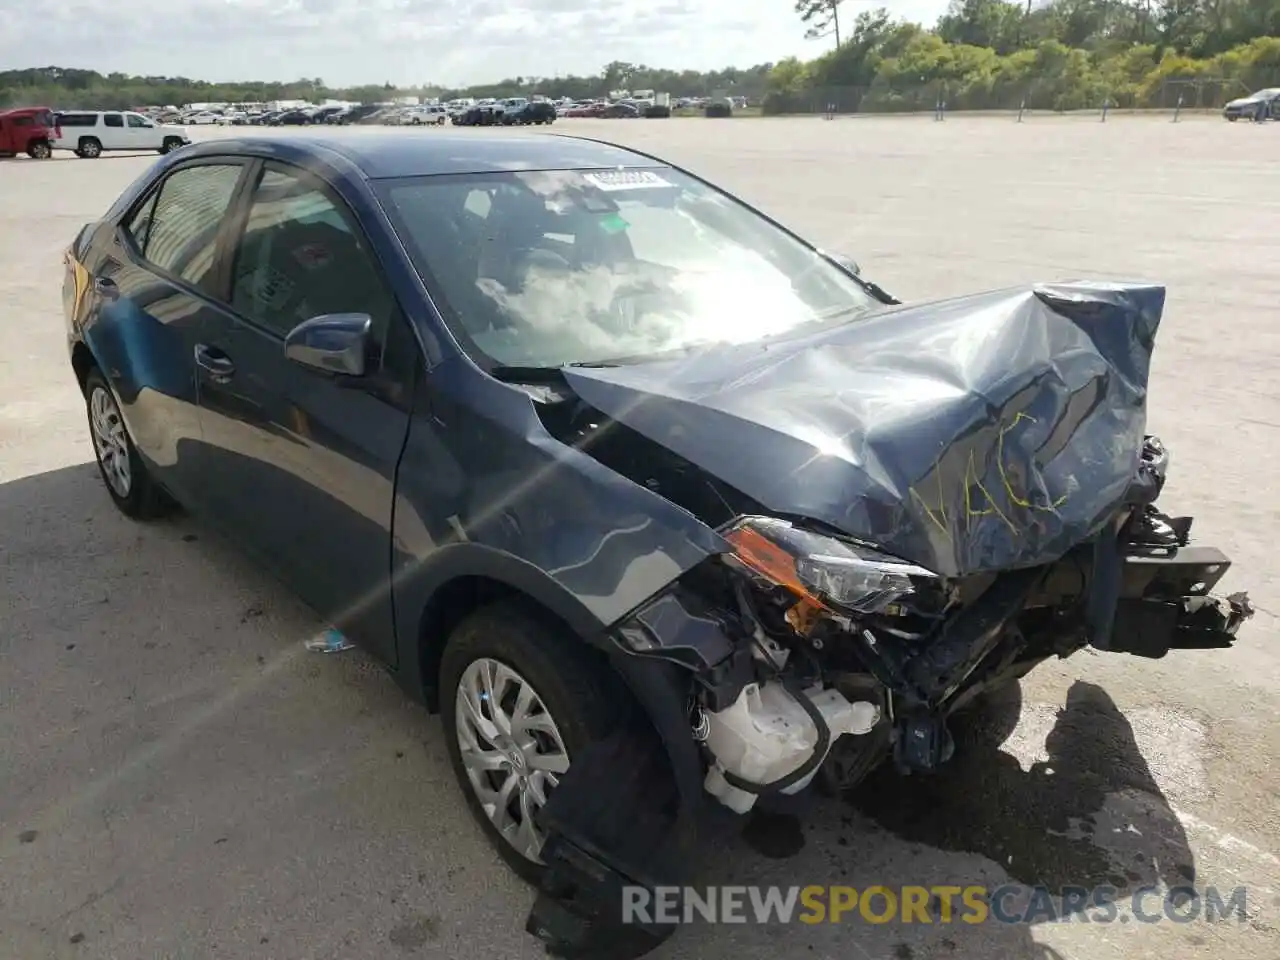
666, 511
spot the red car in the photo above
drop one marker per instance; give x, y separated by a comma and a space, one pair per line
29, 130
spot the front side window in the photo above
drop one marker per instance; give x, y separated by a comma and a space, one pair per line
550, 268
138, 121
112, 120
182, 233
302, 256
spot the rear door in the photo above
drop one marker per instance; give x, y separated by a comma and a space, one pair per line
114, 135
146, 292
303, 462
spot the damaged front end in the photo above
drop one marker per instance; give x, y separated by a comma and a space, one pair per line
809, 649
801, 653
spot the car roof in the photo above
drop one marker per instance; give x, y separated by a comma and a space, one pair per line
383, 155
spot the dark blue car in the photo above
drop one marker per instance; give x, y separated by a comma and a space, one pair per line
607, 466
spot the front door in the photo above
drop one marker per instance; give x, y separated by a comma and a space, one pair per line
142, 133
304, 461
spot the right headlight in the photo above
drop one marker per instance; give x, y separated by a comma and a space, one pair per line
832, 573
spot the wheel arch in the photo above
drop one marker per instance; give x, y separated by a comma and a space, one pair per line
466, 578
83, 361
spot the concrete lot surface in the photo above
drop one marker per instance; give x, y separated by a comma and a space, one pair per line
180, 779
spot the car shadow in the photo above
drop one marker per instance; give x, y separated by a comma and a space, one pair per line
1056, 823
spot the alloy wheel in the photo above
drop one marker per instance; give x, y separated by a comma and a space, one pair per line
511, 749
110, 441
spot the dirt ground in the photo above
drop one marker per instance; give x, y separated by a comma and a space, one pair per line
180, 779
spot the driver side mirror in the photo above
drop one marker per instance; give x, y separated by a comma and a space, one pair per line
847, 263
333, 343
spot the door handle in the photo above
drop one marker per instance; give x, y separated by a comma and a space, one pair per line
215, 363
106, 287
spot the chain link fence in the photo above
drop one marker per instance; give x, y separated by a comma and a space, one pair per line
1059, 95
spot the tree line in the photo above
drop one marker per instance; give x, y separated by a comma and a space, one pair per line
1056, 55
982, 54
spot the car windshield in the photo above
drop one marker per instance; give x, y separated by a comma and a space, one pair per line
549, 268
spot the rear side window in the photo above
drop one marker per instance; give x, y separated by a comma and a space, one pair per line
112, 120
24, 122
77, 119
179, 229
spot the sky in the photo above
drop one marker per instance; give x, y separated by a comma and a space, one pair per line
408, 42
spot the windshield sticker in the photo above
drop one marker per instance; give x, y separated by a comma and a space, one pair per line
612, 223
610, 180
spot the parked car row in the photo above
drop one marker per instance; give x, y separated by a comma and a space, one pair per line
530, 113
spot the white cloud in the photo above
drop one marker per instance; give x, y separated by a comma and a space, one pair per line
349, 42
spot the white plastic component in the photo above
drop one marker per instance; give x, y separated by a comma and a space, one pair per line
766, 735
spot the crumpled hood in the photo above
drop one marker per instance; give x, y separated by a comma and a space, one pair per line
982, 433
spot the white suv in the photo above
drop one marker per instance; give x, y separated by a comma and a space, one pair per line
90, 132
431, 115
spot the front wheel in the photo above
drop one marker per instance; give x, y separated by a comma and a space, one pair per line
990, 719
170, 144
125, 475
519, 699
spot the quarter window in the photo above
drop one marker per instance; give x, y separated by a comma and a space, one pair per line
181, 230
302, 256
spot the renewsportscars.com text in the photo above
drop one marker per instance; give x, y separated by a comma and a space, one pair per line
939, 904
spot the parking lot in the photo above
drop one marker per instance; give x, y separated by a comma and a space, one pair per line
179, 778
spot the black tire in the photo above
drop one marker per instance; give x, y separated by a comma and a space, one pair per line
39, 150
1232, 118
579, 691
170, 144
143, 499
89, 148
990, 719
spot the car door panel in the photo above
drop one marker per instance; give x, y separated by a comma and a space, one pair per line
302, 462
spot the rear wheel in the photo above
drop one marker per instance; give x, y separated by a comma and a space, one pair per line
39, 150
90, 148
125, 475
518, 700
